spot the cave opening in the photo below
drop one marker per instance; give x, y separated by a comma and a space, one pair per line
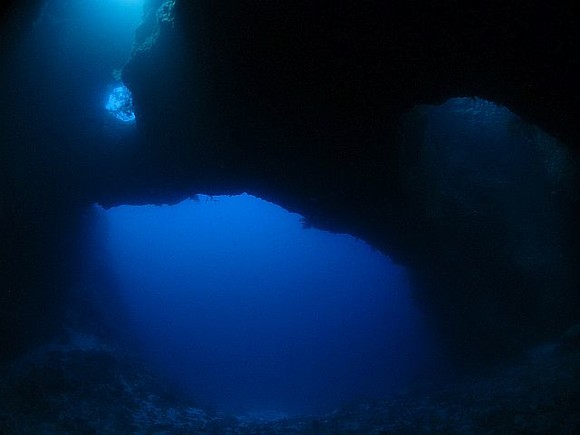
253, 314
231, 298
71, 62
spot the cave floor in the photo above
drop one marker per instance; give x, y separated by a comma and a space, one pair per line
82, 386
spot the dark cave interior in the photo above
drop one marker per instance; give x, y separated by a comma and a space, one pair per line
353, 115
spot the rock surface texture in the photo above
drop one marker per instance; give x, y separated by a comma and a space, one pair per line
82, 385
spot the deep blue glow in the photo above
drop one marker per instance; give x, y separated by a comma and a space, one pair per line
233, 300
120, 104
76, 49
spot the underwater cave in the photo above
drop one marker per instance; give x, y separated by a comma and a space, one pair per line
288, 218
233, 300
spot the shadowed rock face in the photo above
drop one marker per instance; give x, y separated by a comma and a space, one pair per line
301, 103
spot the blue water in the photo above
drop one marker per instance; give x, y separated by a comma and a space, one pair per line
247, 311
